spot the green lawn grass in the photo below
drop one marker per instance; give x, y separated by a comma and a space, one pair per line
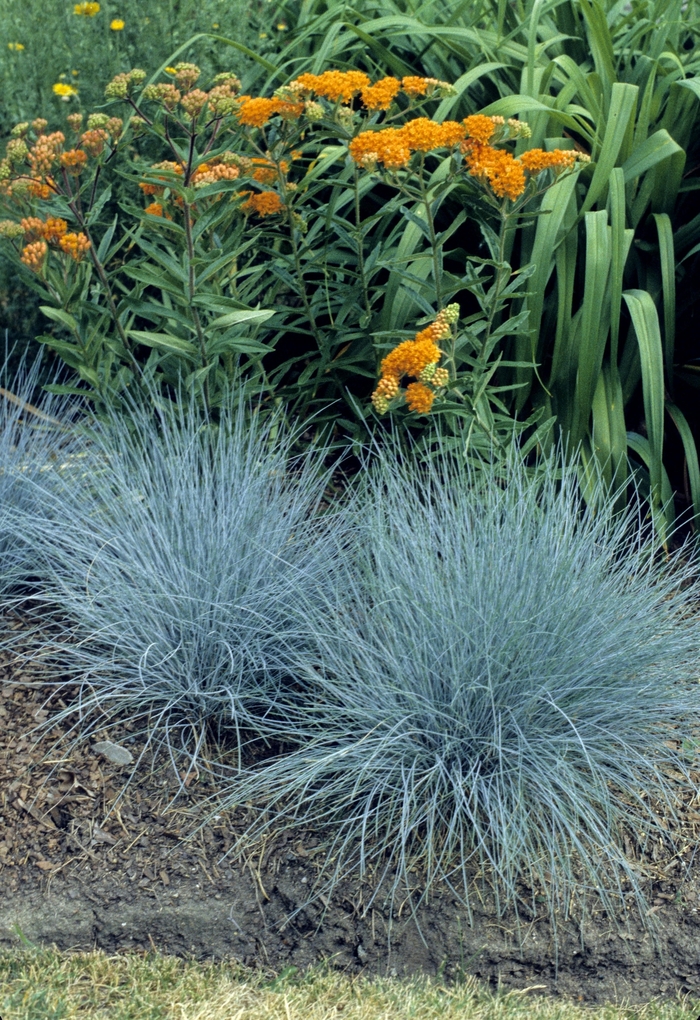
48, 985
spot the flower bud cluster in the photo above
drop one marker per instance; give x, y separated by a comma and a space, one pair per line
16, 151
122, 84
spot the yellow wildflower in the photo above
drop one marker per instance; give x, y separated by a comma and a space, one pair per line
17, 46
87, 10
116, 24
64, 90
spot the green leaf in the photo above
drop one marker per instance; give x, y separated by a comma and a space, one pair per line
691, 457
592, 335
166, 342
253, 315
653, 150
668, 284
623, 101
58, 315
646, 327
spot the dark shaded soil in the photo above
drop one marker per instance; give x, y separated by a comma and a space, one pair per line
79, 875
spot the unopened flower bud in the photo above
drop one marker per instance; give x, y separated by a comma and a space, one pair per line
428, 372
313, 111
118, 87
96, 121
20, 130
16, 150
8, 228
345, 116
228, 78
137, 77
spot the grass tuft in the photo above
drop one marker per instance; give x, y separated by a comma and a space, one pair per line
36, 448
172, 579
502, 683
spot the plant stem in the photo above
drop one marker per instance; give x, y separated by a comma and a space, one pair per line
437, 268
360, 245
191, 289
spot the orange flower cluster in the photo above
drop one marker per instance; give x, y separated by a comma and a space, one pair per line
506, 175
33, 228
44, 153
419, 397
341, 86
154, 209
262, 203
210, 173
481, 128
537, 160
75, 245
499, 169
54, 229
257, 112
93, 142
414, 86
381, 95
34, 255
393, 146
74, 161
334, 85
417, 358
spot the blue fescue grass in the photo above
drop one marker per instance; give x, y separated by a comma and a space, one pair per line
36, 446
173, 580
500, 684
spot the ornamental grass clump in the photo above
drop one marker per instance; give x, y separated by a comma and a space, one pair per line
171, 582
36, 449
501, 685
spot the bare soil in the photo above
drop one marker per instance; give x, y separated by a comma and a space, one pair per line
79, 872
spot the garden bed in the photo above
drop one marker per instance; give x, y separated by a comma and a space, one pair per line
78, 876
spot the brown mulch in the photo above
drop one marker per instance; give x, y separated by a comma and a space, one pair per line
72, 837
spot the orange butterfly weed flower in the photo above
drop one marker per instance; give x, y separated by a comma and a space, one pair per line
410, 358
381, 95
54, 229
264, 203
480, 127
75, 245
74, 161
154, 209
334, 85
419, 398
422, 134
257, 112
499, 169
41, 189
537, 160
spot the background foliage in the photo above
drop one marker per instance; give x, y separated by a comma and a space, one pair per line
612, 301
